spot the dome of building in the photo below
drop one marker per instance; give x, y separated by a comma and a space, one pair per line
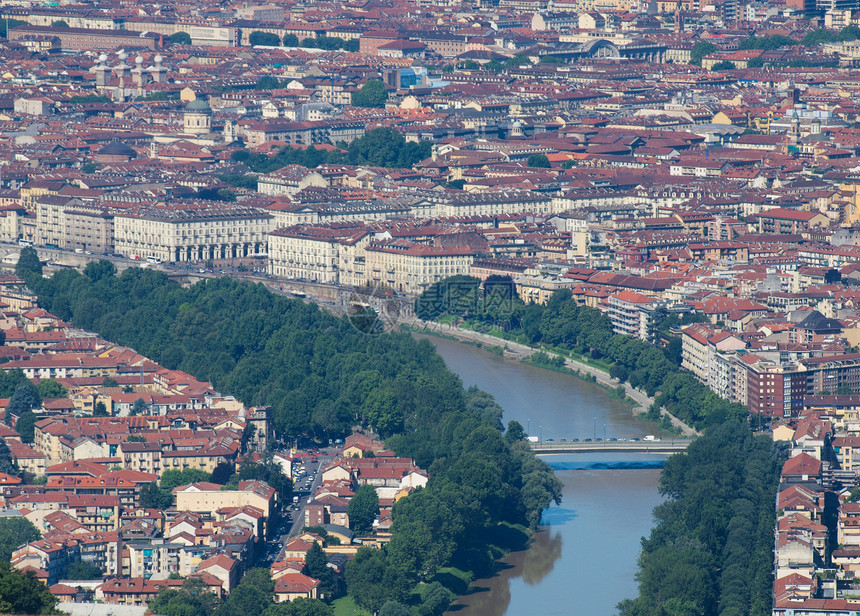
115, 152
198, 106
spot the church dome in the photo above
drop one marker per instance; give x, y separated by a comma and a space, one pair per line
198, 106
115, 148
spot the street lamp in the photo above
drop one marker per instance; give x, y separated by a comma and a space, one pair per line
594, 435
604, 435
540, 433
528, 427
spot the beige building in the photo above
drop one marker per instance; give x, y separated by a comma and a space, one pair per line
50, 218
410, 268
192, 234
203, 459
289, 180
88, 228
331, 253
485, 203
208, 498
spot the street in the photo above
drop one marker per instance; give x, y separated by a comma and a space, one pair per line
304, 486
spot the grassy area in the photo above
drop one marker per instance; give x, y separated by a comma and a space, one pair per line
493, 330
345, 606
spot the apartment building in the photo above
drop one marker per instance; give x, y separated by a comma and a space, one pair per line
159, 558
410, 268
208, 498
289, 180
489, 203
708, 353
54, 557
143, 457
633, 314
205, 459
331, 254
88, 228
193, 233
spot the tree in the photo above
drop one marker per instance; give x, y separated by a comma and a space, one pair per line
24, 593
172, 478
832, 275
366, 579
153, 497
83, 571
15, 532
363, 509
26, 426
109, 382
552, 60
267, 82
192, 599
435, 600
538, 160
99, 270
515, 432
100, 410
316, 561
518, 60
301, 606
28, 263
139, 407
723, 65
180, 38
253, 595
49, 388
266, 39
25, 398
11, 23
700, 50
59, 23
291, 40
371, 94
394, 608
222, 473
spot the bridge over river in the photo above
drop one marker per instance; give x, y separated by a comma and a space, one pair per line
658, 447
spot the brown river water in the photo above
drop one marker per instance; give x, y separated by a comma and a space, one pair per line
583, 559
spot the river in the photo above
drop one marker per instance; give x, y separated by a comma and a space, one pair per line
583, 559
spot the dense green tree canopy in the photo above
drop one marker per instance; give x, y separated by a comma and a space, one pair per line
700, 50
26, 426
15, 532
363, 509
24, 593
172, 478
49, 388
371, 94
28, 263
180, 38
724, 65
300, 607
264, 38
83, 571
25, 398
538, 160
192, 599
